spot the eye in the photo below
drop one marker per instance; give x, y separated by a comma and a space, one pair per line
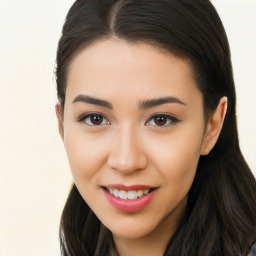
162, 120
94, 119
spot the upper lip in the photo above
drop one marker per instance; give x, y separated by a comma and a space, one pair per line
128, 187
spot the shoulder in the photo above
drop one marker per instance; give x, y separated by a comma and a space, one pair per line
253, 250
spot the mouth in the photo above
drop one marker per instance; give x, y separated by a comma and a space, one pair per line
129, 198
128, 194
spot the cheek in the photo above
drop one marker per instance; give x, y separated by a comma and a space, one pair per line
177, 158
85, 155
181, 171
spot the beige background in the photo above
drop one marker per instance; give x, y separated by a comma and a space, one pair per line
34, 172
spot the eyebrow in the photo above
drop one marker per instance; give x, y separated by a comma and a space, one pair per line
142, 105
92, 100
159, 101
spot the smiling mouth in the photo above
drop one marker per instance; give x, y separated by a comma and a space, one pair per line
128, 194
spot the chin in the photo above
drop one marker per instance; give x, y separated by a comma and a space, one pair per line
131, 231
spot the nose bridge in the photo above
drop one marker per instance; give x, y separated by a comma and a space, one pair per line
126, 154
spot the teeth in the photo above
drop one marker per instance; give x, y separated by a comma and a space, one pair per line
130, 195
116, 193
145, 191
123, 194
139, 193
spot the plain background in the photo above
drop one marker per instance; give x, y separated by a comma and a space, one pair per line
34, 172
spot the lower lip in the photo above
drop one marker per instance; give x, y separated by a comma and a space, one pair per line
130, 205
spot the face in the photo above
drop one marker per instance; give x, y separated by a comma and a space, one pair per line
133, 126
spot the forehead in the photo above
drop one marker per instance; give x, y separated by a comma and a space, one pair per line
110, 67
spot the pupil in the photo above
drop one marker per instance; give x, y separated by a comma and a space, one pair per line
160, 120
96, 119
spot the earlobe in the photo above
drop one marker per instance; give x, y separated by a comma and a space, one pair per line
59, 114
214, 126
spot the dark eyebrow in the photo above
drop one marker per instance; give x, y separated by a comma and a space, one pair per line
156, 102
143, 105
92, 100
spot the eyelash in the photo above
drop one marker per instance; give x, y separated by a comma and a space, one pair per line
83, 118
170, 120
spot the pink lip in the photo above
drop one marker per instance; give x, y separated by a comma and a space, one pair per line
129, 205
130, 187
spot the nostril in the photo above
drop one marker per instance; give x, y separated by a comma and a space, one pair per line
126, 155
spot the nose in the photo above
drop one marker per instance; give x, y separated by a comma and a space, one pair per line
126, 153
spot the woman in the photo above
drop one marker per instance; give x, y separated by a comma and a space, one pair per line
147, 115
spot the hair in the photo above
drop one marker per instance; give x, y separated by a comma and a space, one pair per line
220, 213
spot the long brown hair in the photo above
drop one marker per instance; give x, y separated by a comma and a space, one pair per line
220, 215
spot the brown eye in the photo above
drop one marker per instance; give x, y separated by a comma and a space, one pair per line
94, 119
162, 120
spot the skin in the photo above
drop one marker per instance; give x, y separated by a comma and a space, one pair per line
129, 147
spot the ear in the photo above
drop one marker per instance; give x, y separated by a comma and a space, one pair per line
59, 114
214, 126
